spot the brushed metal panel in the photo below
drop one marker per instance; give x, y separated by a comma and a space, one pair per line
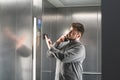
75, 3
7, 46
24, 28
92, 38
15, 24
48, 26
55, 23
90, 17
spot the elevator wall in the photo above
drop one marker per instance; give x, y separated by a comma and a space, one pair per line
48, 26
90, 17
16, 29
56, 21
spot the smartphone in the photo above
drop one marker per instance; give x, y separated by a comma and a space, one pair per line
44, 35
66, 39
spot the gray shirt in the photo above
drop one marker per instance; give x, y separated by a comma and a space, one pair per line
69, 58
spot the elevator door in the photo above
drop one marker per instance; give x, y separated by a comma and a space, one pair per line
16, 40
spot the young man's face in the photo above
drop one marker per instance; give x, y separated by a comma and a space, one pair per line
73, 34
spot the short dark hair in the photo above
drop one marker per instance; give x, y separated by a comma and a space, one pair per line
79, 27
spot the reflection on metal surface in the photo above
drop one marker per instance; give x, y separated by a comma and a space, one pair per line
37, 3
75, 3
34, 48
7, 2
92, 73
65, 31
84, 15
15, 21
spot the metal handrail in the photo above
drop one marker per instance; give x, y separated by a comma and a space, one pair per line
84, 73
92, 73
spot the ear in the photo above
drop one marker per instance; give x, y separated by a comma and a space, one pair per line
79, 35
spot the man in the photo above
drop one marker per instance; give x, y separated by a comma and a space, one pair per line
69, 53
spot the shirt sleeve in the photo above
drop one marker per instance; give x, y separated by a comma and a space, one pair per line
50, 53
75, 53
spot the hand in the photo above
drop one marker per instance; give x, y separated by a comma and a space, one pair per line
48, 42
61, 39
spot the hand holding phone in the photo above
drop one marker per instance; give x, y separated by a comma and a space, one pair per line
48, 42
61, 39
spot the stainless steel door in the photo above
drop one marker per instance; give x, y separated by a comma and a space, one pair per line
16, 40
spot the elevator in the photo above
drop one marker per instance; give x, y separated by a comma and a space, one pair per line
56, 19
23, 48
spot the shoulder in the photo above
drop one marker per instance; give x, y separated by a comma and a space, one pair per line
78, 44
